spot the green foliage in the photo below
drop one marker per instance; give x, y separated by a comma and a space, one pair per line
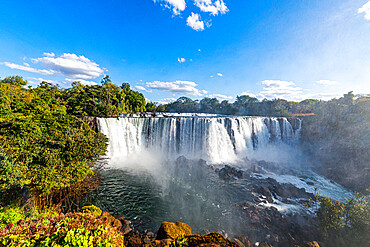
10, 215
344, 223
180, 242
8, 173
92, 210
44, 147
72, 229
106, 99
15, 80
243, 105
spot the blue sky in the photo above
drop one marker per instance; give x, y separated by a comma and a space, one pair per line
292, 49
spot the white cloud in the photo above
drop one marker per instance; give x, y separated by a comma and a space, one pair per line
276, 89
327, 82
177, 87
165, 101
212, 7
220, 75
181, 60
71, 66
34, 80
49, 54
28, 68
176, 5
366, 10
141, 88
83, 82
220, 97
279, 89
194, 22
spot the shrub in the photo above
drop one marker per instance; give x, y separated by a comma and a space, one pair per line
10, 215
345, 223
72, 229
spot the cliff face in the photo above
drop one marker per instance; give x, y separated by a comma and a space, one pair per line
90, 121
338, 140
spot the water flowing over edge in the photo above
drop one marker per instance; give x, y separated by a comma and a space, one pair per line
212, 138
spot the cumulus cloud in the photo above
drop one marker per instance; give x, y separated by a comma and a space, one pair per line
35, 80
49, 54
220, 97
365, 9
181, 60
220, 75
194, 22
71, 66
176, 5
327, 82
279, 89
212, 7
165, 101
27, 68
177, 87
83, 82
141, 88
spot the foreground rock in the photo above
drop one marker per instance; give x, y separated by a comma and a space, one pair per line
169, 230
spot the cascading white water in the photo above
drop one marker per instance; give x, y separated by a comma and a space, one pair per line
215, 139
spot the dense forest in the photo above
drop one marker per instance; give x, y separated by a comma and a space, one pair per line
48, 156
251, 106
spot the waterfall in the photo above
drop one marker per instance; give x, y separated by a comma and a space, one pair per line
212, 138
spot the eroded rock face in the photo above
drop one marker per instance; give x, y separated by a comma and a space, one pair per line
170, 230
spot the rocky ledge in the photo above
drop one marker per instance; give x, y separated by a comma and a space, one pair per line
180, 234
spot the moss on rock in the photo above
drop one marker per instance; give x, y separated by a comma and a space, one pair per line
173, 230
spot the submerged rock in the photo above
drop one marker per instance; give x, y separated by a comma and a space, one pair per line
173, 230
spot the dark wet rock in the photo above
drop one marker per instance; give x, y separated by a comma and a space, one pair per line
133, 239
289, 190
269, 225
173, 230
212, 239
230, 173
265, 191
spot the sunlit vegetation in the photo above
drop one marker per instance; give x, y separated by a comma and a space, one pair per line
106, 99
344, 223
88, 228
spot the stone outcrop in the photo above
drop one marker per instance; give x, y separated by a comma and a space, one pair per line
170, 230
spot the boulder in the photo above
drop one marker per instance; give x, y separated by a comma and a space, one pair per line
230, 173
212, 239
170, 230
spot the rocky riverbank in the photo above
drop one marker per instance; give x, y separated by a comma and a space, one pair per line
180, 234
